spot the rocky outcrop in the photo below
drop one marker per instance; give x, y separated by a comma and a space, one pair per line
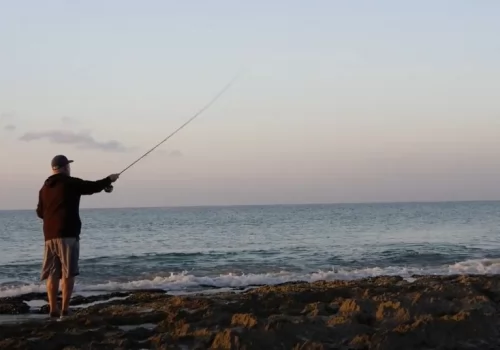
454, 312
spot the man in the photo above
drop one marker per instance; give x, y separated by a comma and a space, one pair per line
58, 207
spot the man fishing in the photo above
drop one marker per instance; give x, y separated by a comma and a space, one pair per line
58, 207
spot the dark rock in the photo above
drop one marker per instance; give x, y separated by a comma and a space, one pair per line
14, 308
383, 313
45, 309
149, 291
25, 297
81, 300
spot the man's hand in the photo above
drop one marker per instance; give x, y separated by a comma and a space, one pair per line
114, 177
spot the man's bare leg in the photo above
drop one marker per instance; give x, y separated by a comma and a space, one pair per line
67, 291
52, 292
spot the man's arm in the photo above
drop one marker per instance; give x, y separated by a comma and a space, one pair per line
85, 187
39, 207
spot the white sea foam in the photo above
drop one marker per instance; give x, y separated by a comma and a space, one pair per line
185, 282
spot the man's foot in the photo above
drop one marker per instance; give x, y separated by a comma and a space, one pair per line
54, 314
65, 313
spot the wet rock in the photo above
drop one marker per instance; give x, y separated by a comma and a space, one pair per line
25, 297
14, 308
81, 300
383, 313
45, 309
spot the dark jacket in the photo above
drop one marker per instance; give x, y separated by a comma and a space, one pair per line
59, 204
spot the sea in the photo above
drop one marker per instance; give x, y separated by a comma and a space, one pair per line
201, 249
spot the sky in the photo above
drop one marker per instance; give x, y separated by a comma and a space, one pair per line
338, 101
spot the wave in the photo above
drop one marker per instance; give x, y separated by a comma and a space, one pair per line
424, 254
160, 256
185, 282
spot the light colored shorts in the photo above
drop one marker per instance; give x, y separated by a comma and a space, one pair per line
60, 258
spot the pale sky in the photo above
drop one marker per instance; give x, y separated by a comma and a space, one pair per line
340, 101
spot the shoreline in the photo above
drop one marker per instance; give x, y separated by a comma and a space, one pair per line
385, 312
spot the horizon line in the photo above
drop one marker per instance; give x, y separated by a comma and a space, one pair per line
278, 204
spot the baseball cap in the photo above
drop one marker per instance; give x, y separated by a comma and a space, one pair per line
60, 161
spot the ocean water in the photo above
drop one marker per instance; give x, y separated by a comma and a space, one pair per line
185, 250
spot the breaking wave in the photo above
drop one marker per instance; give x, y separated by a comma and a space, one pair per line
185, 282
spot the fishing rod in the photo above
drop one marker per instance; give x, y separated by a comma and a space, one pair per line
219, 94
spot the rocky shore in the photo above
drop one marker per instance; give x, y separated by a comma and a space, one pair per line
452, 312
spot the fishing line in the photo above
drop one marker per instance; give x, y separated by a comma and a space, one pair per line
221, 92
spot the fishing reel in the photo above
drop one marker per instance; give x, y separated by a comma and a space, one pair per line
108, 189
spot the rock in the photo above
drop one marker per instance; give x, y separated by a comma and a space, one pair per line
226, 339
244, 320
381, 313
14, 308
25, 297
45, 309
81, 300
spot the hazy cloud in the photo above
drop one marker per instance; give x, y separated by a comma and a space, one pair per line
6, 115
69, 121
175, 154
80, 139
4, 118
172, 153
